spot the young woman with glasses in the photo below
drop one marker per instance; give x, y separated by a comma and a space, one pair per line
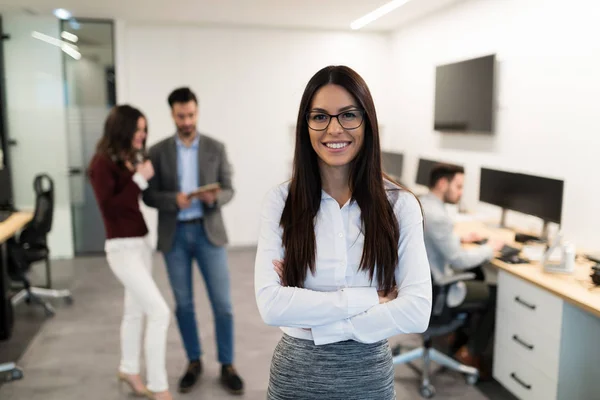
341, 264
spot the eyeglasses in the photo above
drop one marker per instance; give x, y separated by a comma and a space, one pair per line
319, 121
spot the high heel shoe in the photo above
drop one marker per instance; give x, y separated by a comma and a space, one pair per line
124, 378
166, 395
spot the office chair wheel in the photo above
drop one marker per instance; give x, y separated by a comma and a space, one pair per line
427, 391
69, 300
15, 375
472, 379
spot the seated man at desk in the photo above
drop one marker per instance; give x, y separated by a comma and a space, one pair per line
446, 255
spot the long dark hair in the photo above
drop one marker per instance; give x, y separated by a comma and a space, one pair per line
119, 129
379, 223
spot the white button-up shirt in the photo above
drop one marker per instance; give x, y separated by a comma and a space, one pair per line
339, 302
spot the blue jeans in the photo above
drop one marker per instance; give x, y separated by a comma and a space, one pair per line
191, 243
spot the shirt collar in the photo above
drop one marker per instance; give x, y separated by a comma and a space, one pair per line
194, 144
326, 196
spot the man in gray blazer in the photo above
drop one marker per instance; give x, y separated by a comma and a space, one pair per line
447, 255
191, 227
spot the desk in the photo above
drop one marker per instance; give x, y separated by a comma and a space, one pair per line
547, 327
8, 229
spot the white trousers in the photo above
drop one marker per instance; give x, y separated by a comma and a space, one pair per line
130, 259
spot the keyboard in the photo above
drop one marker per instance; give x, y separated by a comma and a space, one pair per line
509, 251
515, 259
524, 238
593, 258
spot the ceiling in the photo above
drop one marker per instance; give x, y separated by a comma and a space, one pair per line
296, 14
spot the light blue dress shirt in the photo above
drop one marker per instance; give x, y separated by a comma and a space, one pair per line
187, 173
444, 250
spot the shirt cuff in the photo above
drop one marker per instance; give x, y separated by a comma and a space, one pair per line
140, 181
489, 251
332, 333
360, 299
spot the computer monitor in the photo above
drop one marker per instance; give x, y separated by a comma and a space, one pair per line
392, 164
527, 194
425, 168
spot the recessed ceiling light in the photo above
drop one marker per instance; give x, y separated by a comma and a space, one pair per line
61, 13
378, 13
69, 36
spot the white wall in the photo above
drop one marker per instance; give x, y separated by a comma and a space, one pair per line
36, 119
548, 86
249, 83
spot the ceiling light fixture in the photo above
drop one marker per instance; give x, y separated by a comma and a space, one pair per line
378, 13
69, 36
61, 13
68, 48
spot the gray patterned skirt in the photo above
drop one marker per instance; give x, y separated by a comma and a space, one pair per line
348, 370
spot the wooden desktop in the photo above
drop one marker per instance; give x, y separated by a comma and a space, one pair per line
576, 288
547, 326
14, 224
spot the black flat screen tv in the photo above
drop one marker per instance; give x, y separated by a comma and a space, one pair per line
464, 96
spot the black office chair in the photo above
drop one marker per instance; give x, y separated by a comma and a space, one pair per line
18, 267
32, 247
34, 236
442, 322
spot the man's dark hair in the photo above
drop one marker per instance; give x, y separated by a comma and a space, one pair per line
444, 171
182, 95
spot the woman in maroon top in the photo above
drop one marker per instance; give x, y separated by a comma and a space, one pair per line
118, 177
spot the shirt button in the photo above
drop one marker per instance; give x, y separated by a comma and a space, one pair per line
341, 234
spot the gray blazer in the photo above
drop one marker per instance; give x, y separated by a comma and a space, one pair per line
164, 186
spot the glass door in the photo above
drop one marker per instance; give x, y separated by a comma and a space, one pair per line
90, 94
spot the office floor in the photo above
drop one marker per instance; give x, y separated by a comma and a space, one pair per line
75, 354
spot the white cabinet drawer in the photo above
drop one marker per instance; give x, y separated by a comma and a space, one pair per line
532, 344
530, 304
521, 378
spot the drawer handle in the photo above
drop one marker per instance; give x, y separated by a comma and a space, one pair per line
520, 382
522, 343
526, 304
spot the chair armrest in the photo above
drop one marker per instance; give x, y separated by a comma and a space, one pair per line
448, 280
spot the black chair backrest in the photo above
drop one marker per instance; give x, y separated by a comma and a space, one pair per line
41, 224
441, 314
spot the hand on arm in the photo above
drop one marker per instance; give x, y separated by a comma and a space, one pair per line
409, 312
441, 234
110, 201
280, 305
